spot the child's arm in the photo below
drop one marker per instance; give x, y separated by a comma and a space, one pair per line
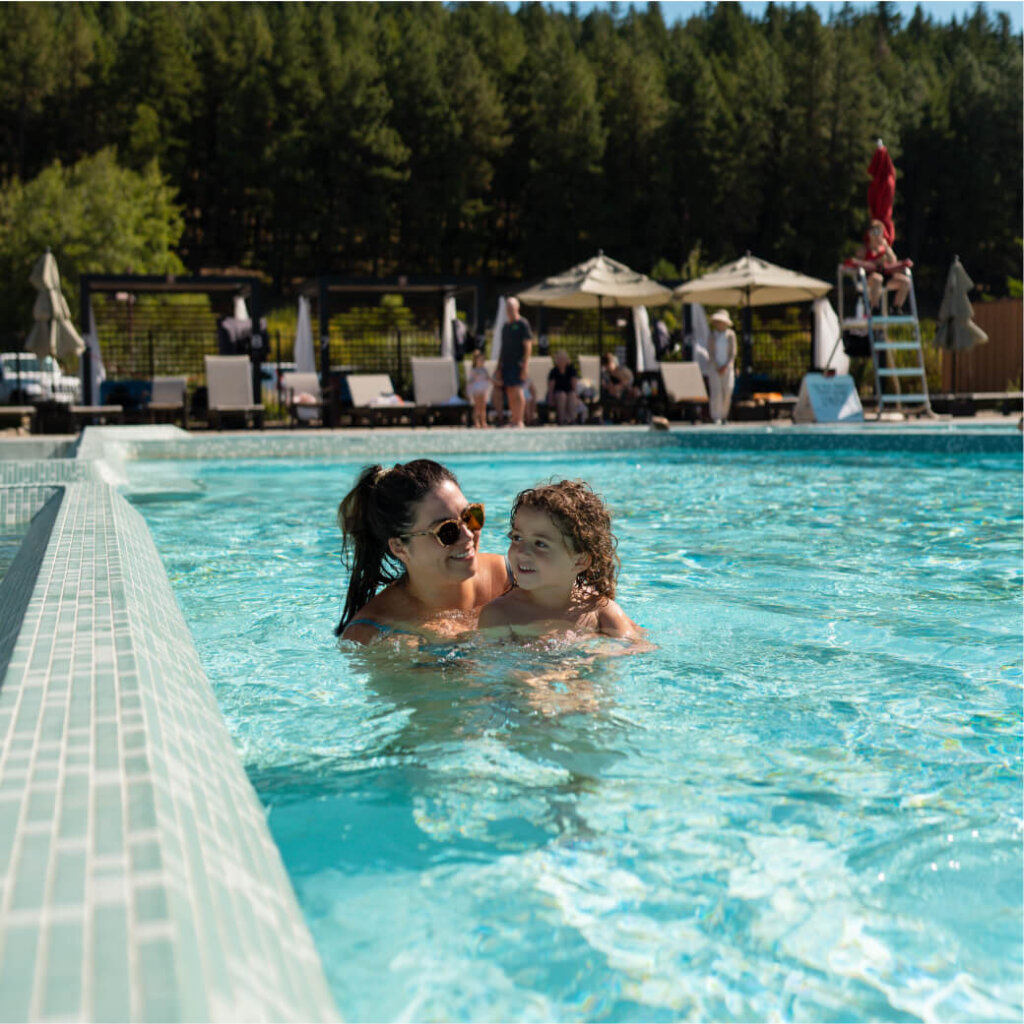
493, 615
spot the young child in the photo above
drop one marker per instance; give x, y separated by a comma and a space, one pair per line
562, 554
478, 387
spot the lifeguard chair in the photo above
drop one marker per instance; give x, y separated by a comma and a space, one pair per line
866, 332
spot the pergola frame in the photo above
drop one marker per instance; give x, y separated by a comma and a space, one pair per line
246, 285
324, 286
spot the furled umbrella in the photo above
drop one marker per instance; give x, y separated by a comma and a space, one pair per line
957, 331
592, 284
305, 359
53, 333
882, 190
750, 281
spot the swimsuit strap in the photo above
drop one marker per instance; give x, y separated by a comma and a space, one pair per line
381, 627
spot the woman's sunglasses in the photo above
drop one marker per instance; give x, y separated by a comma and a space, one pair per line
447, 533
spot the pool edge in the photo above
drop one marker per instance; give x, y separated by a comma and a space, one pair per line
139, 877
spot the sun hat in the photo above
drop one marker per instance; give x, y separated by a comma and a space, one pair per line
721, 317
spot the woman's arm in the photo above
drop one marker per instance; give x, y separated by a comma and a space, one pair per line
492, 616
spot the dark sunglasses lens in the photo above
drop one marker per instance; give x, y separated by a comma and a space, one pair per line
448, 533
474, 517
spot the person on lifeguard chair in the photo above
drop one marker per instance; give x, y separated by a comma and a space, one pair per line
884, 270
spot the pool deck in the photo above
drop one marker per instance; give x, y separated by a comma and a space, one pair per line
138, 878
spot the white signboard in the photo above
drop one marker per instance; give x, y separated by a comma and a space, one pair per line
828, 400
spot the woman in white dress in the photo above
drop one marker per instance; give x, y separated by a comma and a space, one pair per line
722, 349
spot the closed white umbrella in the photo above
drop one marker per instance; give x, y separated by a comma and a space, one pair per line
701, 333
646, 357
829, 353
305, 358
499, 323
448, 315
957, 331
53, 333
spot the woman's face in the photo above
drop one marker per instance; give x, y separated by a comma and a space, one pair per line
423, 556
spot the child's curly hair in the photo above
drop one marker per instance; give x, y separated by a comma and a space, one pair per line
585, 523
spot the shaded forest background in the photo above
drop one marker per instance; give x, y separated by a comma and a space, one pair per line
372, 139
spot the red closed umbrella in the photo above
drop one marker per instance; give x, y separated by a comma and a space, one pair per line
882, 189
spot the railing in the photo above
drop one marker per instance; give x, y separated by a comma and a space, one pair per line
780, 357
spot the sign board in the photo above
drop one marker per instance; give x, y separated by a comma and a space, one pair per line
828, 400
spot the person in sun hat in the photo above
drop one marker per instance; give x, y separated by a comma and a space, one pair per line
411, 542
722, 346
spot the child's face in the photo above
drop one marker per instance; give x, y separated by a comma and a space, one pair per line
540, 555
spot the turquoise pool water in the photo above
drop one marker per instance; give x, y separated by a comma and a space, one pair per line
804, 805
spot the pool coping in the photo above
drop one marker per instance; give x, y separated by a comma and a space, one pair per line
130, 835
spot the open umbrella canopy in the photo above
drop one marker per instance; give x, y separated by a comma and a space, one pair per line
957, 331
53, 333
750, 281
596, 282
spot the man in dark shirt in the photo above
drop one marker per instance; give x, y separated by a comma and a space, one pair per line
516, 346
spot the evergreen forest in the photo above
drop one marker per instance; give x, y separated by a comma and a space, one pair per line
297, 139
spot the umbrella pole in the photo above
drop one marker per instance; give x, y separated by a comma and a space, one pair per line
748, 339
600, 328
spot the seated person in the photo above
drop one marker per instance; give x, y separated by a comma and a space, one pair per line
562, 381
617, 381
877, 259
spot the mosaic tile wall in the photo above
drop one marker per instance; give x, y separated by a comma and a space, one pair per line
138, 879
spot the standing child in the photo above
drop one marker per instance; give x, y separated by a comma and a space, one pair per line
562, 554
478, 387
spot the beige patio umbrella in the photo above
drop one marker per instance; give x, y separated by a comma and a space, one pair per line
957, 331
53, 333
589, 285
750, 281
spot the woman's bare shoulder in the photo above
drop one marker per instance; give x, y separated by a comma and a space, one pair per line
382, 609
494, 573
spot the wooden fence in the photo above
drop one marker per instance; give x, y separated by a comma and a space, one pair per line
996, 365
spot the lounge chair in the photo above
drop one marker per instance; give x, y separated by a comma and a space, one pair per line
303, 397
229, 390
92, 415
537, 372
436, 390
374, 400
167, 399
684, 389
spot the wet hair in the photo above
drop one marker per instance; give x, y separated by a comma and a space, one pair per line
585, 523
380, 506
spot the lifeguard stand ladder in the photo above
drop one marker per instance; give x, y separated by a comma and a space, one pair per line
865, 321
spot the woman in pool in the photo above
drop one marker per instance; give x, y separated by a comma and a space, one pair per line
562, 554
410, 531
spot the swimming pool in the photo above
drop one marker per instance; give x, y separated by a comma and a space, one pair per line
806, 804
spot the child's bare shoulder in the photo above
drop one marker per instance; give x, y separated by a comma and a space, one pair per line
613, 621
